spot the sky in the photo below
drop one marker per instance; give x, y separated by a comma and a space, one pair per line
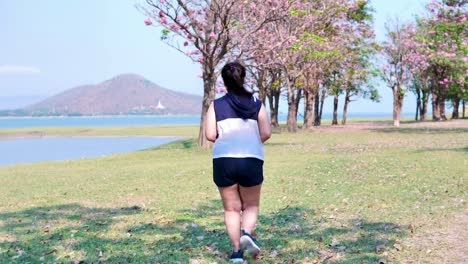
49, 46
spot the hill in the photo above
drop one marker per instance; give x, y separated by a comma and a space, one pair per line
123, 94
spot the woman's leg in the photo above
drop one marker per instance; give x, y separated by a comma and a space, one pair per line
232, 209
250, 197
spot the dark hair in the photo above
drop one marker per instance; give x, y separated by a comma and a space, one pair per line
233, 74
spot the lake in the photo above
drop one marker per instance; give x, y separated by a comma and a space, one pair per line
114, 121
14, 151
119, 121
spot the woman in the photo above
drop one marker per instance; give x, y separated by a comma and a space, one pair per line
238, 125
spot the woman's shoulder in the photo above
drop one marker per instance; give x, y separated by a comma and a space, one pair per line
258, 102
221, 98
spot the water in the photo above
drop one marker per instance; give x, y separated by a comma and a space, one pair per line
120, 121
24, 122
14, 151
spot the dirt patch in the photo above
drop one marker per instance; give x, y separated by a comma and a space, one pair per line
385, 125
448, 244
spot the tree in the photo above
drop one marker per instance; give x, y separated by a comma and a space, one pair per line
395, 72
446, 40
207, 31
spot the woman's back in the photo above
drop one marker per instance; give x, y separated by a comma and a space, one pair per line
237, 127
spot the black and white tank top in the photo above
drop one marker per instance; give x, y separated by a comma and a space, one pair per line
238, 134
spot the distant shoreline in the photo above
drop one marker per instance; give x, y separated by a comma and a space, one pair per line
350, 115
96, 116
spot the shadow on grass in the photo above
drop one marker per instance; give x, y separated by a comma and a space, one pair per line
462, 149
64, 233
73, 233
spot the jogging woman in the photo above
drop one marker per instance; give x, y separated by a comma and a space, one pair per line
238, 125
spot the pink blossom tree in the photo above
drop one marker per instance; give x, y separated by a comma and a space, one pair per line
446, 40
395, 71
208, 32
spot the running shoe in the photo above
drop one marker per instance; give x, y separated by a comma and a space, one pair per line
236, 257
249, 244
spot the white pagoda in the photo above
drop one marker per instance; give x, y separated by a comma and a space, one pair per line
160, 106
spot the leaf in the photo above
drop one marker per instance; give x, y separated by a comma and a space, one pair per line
334, 242
379, 248
274, 254
398, 247
382, 261
50, 252
390, 227
297, 228
325, 254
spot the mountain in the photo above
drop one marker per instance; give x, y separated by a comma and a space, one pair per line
123, 94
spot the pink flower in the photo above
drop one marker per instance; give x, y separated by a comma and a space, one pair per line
213, 35
148, 22
186, 43
200, 59
221, 90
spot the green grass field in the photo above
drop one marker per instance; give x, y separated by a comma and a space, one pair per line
337, 195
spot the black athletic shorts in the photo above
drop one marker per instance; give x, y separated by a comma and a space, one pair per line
247, 172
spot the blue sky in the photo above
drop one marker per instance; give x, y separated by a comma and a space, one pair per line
49, 46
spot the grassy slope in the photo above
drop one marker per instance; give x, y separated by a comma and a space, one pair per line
335, 195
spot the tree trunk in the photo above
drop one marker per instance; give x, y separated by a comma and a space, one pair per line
292, 109
335, 110
425, 99
463, 105
322, 100
456, 105
345, 107
209, 83
261, 86
397, 105
435, 107
309, 97
298, 100
292, 118
273, 102
317, 108
276, 95
418, 104
442, 108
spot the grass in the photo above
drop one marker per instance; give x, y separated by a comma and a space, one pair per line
337, 196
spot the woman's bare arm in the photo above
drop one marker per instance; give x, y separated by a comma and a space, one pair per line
264, 124
210, 124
